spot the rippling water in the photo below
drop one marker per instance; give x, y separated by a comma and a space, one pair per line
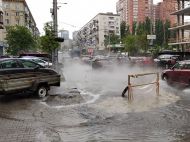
105, 116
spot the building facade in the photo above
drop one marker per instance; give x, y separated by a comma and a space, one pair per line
132, 11
17, 12
92, 35
182, 28
163, 10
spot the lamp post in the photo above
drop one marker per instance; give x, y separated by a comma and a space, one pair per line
55, 27
55, 52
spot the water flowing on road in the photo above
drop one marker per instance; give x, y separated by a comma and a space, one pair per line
101, 114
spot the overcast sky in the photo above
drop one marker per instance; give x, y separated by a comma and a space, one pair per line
73, 15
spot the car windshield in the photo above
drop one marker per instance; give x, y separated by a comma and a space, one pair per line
179, 66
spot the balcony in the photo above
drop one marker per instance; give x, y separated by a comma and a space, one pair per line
186, 26
173, 41
184, 11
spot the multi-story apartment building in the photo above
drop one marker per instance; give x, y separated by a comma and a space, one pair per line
93, 34
132, 11
163, 10
182, 28
17, 12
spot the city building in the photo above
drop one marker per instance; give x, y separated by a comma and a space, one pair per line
132, 11
163, 10
92, 35
181, 41
64, 34
17, 12
67, 44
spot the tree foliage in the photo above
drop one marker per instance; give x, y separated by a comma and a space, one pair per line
111, 39
19, 39
135, 44
48, 42
167, 32
159, 31
124, 29
144, 27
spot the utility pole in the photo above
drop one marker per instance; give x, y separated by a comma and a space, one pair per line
55, 25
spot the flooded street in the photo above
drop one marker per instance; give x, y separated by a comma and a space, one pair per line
88, 107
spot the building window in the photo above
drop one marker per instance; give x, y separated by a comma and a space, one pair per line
7, 21
17, 13
1, 18
7, 6
6, 13
111, 18
17, 22
16, 7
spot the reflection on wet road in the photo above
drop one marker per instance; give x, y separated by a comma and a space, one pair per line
88, 107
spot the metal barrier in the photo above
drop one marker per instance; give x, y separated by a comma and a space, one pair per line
130, 86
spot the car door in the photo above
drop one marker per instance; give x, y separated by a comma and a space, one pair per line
15, 75
175, 72
184, 75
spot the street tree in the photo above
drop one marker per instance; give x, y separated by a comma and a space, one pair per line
131, 44
19, 39
124, 29
134, 28
166, 31
159, 31
48, 42
111, 39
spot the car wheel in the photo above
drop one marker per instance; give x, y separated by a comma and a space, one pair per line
165, 77
42, 91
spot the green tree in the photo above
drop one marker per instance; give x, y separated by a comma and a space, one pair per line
159, 31
48, 42
19, 39
131, 44
166, 31
124, 29
142, 41
147, 25
111, 39
144, 27
134, 28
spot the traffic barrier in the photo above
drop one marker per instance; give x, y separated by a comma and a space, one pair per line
130, 86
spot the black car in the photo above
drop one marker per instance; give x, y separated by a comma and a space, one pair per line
17, 75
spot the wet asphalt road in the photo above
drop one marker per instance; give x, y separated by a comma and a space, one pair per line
88, 107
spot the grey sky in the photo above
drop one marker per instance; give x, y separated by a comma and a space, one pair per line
73, 15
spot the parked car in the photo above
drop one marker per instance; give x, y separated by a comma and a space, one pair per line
18, 75
38, 60
166, 60
179, 73
99, 63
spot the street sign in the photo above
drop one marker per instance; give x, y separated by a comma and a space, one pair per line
151, 36
90, 50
